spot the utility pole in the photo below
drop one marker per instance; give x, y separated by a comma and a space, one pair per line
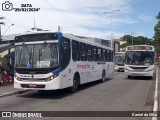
132, 37
111, 13
59, 28
133, 33
8, 28
1, 23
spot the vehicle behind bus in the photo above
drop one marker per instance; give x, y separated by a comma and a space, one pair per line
119, 61
139, 60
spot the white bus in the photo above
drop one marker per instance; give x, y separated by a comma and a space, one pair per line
119, 61
52, 60
139, 60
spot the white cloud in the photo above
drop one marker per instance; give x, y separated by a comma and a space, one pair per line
146, 17
74, 16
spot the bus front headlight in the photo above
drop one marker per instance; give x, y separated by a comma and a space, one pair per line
53, 77
17, 78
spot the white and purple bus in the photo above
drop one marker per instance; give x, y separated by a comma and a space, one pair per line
53, 60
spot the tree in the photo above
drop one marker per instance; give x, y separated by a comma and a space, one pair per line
139, 40
156, 36
158, 16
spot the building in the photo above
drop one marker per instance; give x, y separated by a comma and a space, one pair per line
121, 42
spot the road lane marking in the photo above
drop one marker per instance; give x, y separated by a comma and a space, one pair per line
155, 107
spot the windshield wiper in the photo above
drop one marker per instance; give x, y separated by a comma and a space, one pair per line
39, 55
20, 57
29, 64
40, 52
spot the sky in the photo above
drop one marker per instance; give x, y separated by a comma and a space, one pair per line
105, 19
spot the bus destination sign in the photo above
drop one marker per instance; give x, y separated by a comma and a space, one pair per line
140, 48
119, 54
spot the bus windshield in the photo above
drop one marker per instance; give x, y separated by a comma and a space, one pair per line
119, 60
44, 55
139, 58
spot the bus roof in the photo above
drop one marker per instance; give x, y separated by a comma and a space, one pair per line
67, 35
70, 36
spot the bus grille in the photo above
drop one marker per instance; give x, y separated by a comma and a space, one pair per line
138, 67
34, 79
120, 64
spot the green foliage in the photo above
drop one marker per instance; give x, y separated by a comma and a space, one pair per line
158, 16
139, 40
156, 36
157, 31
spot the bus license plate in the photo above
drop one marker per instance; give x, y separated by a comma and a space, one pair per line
32, 85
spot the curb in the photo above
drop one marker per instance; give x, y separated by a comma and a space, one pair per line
14, 93
155, 106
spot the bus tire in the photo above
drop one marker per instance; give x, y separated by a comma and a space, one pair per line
129, 76
103, 77
76, 82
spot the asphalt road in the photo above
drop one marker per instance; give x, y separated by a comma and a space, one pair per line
116, 94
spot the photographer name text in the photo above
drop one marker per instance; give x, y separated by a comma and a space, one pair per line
144, 114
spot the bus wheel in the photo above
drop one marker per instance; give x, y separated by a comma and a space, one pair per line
75, 86
103, 77
129, 76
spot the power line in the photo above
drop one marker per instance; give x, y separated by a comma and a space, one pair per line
7, 29
103, 16
138, 3
97, 18
109, 13
60, 11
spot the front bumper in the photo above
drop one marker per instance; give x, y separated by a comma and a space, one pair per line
150, 73
50, 85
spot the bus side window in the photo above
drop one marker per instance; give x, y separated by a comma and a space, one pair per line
83, 51
107, 55
75, 51
111, 56
99, 54
103, 55
65, 52
89, 52
94, 53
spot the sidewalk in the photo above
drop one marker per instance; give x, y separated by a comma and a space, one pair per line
159, 89
8, 89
